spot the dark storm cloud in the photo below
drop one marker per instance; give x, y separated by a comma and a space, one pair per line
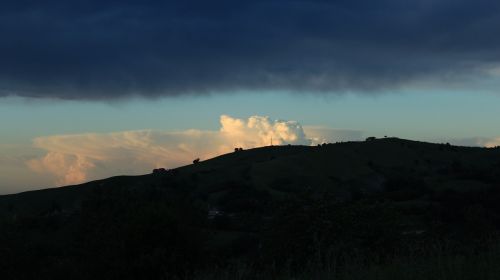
110, 49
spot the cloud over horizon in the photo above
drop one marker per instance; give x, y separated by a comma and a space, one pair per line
72, 159
98, 50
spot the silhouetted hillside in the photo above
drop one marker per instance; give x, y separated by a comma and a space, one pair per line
265, 212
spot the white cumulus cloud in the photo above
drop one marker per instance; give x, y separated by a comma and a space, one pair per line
72, 159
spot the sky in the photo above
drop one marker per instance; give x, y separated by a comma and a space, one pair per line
92, 89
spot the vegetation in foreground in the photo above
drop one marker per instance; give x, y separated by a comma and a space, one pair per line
383, 209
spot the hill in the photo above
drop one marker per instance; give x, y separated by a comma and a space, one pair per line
272, 208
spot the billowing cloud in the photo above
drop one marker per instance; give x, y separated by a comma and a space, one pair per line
112, 49
260, 131
71, 159
76, 158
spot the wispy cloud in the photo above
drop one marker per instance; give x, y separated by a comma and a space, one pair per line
495, 142
76, 158
321, 134
14, 175
488, 142
71, 159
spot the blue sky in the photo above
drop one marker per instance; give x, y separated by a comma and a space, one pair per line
455, 116
417, 115
90, 89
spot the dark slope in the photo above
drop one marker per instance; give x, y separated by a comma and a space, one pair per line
270, 205
342, 168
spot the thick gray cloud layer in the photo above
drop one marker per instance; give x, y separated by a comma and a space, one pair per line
111, 49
